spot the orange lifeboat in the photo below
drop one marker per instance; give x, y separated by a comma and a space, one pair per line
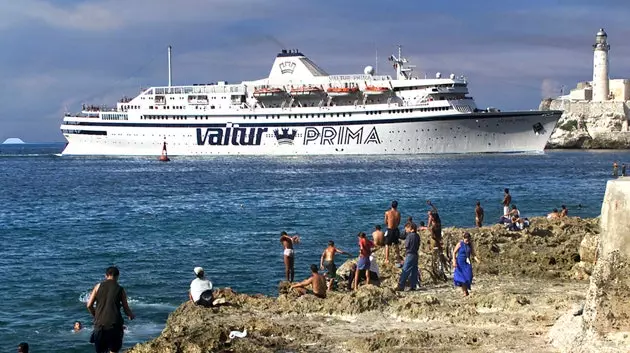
341, 91
265, 92
375, 90
305, 91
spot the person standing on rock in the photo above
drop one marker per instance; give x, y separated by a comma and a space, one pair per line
109, 297
564, 212
462, 264
392, 235
507, 200
327, 262
363, 265
478, 215
316, 281
410, 267
615, 169
289, 254
623, 169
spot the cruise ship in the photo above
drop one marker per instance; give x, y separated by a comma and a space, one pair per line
299, 109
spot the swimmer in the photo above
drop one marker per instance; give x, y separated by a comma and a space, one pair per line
77, 326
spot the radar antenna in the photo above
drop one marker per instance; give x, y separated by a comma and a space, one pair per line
402, 72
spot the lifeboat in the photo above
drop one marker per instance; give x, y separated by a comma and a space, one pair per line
268, 92
375, 90
341, 91
305, 91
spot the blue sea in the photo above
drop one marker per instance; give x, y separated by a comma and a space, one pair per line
65, 220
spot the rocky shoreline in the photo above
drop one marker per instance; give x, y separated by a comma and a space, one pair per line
524, 282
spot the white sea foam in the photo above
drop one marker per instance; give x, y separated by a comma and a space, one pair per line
85, 296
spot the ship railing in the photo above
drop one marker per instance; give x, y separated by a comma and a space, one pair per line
234, 89
359, 77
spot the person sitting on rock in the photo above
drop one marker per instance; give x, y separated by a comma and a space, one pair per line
201, 289
564, 212
316, 281
554, 214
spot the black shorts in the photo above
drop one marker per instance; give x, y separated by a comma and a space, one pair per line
331, 269
108, 340
205, 299
392, 236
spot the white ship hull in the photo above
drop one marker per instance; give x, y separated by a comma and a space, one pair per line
514, 132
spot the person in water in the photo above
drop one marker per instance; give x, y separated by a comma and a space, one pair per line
392, 236
478, 215
289, 254
462, 264
22, 347
317, 283
77, 326
109, 297
327, 262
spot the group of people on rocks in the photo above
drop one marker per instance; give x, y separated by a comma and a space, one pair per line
108, 297
366, 268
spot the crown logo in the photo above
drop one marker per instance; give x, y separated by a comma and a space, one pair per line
287, 67
286, 137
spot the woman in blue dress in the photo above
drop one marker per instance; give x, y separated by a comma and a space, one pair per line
462, 264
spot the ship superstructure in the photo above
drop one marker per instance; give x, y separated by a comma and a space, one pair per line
299, 109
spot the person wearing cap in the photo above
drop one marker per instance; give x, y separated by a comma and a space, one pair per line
201, 289
109, 297
462, 264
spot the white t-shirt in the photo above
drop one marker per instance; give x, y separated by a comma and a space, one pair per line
198, 286
374, 266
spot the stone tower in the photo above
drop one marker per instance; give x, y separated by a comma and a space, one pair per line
600, 67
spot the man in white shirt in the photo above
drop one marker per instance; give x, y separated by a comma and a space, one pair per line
200, 289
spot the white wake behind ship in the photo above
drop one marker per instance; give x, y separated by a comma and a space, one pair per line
299, 109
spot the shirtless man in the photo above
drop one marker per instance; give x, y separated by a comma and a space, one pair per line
554, 214
289, 255
378, 237
564, 212
317, 282
327, 261
392, 238
507, 199
478, 215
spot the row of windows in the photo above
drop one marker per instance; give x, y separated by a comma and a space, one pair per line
114, 117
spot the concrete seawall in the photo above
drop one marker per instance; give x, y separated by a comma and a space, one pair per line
602, 324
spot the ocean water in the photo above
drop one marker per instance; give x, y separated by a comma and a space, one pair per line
64, 220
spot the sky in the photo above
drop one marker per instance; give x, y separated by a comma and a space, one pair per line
59, 54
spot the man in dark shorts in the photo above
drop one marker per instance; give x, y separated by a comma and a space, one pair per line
327, 262
392, 235
109, 297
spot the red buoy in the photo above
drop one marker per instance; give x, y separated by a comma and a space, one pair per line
164, 155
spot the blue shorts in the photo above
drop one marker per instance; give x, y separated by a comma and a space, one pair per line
364, 263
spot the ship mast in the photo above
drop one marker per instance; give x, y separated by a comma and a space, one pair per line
170, 72
402, 72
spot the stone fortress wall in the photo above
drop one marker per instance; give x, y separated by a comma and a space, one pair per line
597, 112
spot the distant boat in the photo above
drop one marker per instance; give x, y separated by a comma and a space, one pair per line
13, 141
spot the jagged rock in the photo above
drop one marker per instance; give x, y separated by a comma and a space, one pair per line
380, 319
589, 125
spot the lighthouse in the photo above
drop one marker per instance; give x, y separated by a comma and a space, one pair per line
600, 67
